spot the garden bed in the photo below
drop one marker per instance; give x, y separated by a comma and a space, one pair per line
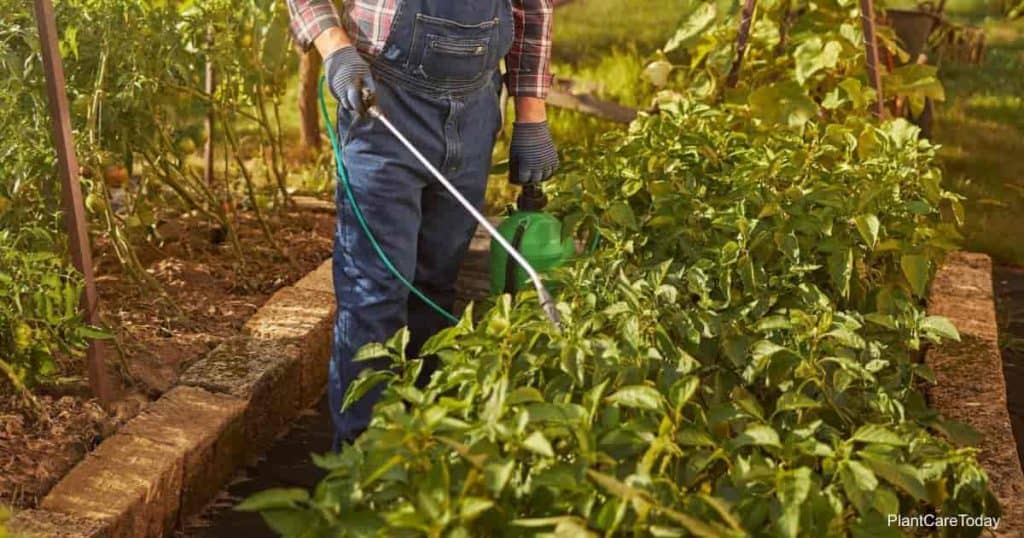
213, 299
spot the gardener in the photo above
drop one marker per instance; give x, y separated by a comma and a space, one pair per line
432, 68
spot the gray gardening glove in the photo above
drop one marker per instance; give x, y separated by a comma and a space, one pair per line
350, 80
532, 157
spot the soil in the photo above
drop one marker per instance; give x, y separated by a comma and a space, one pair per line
1009, 289
207, 296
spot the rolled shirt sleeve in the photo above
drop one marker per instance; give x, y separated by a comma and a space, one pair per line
309, 18
529, 61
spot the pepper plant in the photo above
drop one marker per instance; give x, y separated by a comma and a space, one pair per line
740, 357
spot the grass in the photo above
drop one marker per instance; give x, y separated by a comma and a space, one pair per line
981, 129
587, 30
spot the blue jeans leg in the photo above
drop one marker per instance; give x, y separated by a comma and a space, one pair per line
418, 224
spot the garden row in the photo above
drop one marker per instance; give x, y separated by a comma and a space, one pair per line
741, 355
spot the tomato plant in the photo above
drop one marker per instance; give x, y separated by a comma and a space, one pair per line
134, 81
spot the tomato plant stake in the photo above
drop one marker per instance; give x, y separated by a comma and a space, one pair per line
867, 17
210, 88
74, 209
741, 42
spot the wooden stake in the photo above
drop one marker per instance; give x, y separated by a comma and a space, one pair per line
867, 18
74, 209
211, 86
741, 42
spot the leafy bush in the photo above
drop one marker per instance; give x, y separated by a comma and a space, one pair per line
39, 308
134, 83
738, 358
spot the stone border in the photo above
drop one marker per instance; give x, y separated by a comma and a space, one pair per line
970, 386
171, 460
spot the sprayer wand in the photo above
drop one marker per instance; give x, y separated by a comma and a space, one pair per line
547, 303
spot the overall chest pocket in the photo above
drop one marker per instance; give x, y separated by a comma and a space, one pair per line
447, 50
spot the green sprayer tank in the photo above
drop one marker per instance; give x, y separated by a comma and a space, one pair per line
536, 235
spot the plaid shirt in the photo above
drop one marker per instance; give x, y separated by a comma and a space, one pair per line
369, 21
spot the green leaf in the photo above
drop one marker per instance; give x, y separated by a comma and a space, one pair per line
792, 488
790, 401
916, 82
274, 498
620, 213
657, 72
496, 475
757, 434
291, 522
941, 327
840, 268
471, 507
868, 226
812, 56
524, 395
857, 477
958, 432
916, 269
694, 25
367, 380
538, 444
874, 525
558, 413
785, 103
371, 351
901, 475
683, 390
638, 396
873, 433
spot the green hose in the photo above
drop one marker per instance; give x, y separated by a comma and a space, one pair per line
343, 176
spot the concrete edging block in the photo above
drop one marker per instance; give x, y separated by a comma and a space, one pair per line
206, 428
130, 484
37, 523
962, 291
321, 279
305, 317
265, 374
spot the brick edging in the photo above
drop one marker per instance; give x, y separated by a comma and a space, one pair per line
963, 292
168, 462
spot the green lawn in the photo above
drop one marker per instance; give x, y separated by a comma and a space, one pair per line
981, 129
586, 30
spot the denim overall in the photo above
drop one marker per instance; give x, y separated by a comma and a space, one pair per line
437, 81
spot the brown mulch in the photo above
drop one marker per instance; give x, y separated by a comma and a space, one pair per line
207, 296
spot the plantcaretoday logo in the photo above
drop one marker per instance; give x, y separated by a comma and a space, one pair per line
939, 521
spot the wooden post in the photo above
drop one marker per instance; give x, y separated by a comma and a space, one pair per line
74, 210
309, 119
867, 18
741, 42
211, 86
